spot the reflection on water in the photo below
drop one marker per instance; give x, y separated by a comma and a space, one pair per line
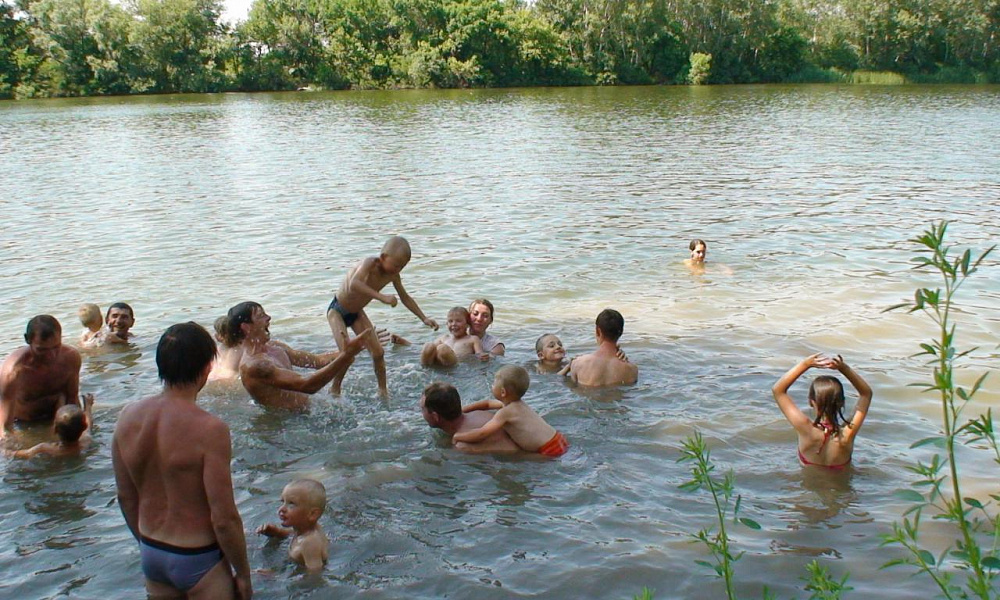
555, 204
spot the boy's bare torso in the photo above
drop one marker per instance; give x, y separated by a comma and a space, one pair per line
371, 275
528, 430
314, 541
462, 346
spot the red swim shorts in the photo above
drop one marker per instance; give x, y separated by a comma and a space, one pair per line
555, 447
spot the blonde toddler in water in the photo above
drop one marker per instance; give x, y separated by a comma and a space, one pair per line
823, 442
528, 430
302, 504
455, 345
90, 317
71, 426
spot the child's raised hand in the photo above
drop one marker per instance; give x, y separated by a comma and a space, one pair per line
389, 299
837, 363
818, 361
431, 323
271, 530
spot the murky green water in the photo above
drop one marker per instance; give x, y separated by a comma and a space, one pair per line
554, 204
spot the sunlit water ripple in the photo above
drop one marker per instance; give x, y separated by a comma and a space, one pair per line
554, 204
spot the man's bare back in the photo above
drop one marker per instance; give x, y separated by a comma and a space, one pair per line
597, 370
497, 443
34, 383
172, 469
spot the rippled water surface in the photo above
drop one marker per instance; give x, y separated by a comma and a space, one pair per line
554, 204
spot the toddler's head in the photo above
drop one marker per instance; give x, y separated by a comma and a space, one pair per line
90, 316
826, 395
510, 384
70, 423
302, 504
549, 348
458, 321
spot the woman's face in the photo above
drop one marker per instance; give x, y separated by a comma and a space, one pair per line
480, 318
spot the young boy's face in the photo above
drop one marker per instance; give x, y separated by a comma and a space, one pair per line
458, 325
296, 511
393, 263
552, 349
498, 391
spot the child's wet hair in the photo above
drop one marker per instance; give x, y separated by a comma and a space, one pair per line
443, 399
315, 492
397, 246
90, 314
696, 242
611, 324
458, 310
70, 423
514, 379
827, 395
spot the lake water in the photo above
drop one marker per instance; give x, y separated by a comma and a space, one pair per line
554, 203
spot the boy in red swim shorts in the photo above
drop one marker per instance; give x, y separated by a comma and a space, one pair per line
528, 430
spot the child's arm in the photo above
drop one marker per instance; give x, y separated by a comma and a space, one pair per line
312, 552
358, 283
477, 345
477, 435
31, 452
567, 371
411, 304
864, 393
483, 405
275, 531
795, 416
88, 404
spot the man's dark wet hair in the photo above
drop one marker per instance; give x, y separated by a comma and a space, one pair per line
185, 349
45, 327
238, 315
611, 324
70, 423
443, 399
119, 305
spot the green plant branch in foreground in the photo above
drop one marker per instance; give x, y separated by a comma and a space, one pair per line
967, 554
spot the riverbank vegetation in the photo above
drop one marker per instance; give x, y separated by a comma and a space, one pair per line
100, 47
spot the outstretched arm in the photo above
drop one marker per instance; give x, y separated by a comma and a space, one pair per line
285, 379
411, 304
477, 435
301, 358
482, 405
780, 390
275, 531
864, 393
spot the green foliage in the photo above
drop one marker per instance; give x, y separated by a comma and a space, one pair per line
938, 486
822, 585
645, 594
701, 68
876, 78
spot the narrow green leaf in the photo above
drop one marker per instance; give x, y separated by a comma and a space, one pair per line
991, 562
896, 307
938, 441
927, 557
973, 502
909, 495
705, 564
750, 523
894, 562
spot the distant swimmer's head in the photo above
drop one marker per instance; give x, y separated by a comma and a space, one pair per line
698, 249
90, 316
440, 401
70, 423
44, 336
221, 327
510, 383
184, 355
549, 348
610, 325
120, 318
302, 504
237, 316
458, 321
826, 396
395, 255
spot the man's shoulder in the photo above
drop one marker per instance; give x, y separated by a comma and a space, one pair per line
70, 355
14, 358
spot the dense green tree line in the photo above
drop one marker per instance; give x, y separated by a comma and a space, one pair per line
92, 47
